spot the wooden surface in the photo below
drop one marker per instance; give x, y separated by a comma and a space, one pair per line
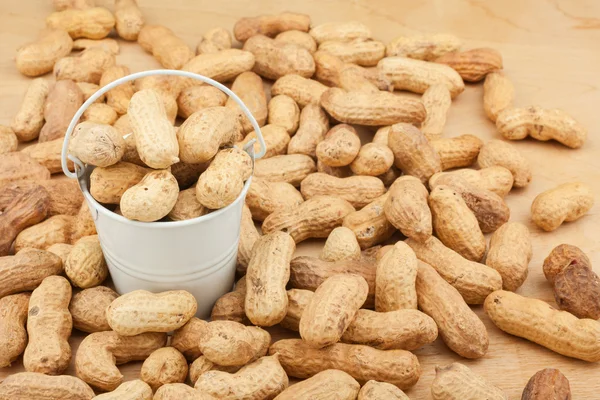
551, 51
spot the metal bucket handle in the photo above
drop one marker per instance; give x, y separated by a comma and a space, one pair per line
79, 167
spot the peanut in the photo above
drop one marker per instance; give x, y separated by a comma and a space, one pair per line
223, 181
364, 52
313, 125
567, 202
423, 47
90, 23
249, 87
62, 250
65, 195
168, 49
33, 385
179, 391
338, 172
187, 338
370, 224
213, 41
473, 281
87, 66
195, 98
39, 57
284, 111
298, 38
276, 140
119, 97
29, 120
163, 366
107, 44
187, 206
205, 131
378, 390
503, 154
298, 300
328, 384
340, 146
152, 198
202, 365
229, 343
85, 265
496, 179
498, 94
406, 208
265, 198
340, 31
372, 109
341, 244
417, 76
536, 321
541, 124
97, 144
62, 103
332, 308
132, 390
248, 237
357, 190
509, 254
223, 66
87, 309
141, 311
107, 185
26, 270
187, 174
13, 334
413, 154
332, 71
60, 5
155, 137
99, 353
351, 78
463, 333
129, 19
276, 59
230, 306
49, 326
303, 91
56, 229
437, 101
456, 381
473, 65
270, 25
395, 279
577, 290
100, 114
562, 256
363, 363
291, 168
458, 151
547, 384
267, 275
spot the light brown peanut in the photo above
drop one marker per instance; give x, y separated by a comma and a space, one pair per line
34, 385
187, 338
340, 146
291, 168
249, 88
39, 57
270, 25
473, 281
187, 206
56, 229
265, 197
498, 94
395, 279
60, 5
108, 44
131, 390
341, 244
86, 266
213, 41
561, 257
496, 179
546, 384
303, 91
370, 224
267, 275
230, 306
503, 154
413, 153
338, 172
222, 66
87, 66
365, 52
100, 114
284, 111
62, 103
567, 202
331, 383
119, 97
276, 59
332, 71
372, 109
152, 198
456, 381
458, 151
352, 78
473, 65
357, 190
248, 237
62, 250
437, 101
340, 31
423, 47
312, 127
29, 120
26, 270
298, 300
298, 38
163, 366
168, 49
535, 320
90, 23
276, 140
97, 144
87, 309
13, 334
509, 254
129, 19
406, 208
107, 185
48, 154
195, 98
229, 343
179, 391
202, 365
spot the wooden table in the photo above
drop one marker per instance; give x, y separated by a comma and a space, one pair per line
551, 51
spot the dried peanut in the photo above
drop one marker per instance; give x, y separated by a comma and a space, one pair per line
291, 168
87, 309
284, 111
107, 185
129, 19
62, 103
270, 25
48, 154
351, 78
313, 125
99, 353
365, 52
152, 198
395, 279
503, 154
195, 98
187, 206
562, 256
567, 202
536, 321
496, 179
34, 385
248, 237
86, 266
132, 390
141, 311
39, 57
473, 65
458, 151
230, 343
13, 334
380, 390
548, 383
91, 23
222, 66
264, 198
340, 31
328, 384
332, 71
163, 366
62, 250
202, 365
168, 49
509, 254
87, 66
357, 190
363, 363
275, 59
303, 91
60, 5
119, 97
498, 94
338, 172
298, 300
97, 144
213, 41
341, 244
56, 229
474, 281
413, 154
423, 47
276, 140
26, 270
458, 382
249, 88
100, 114
107, 44
187, 338
49, 326
369, 224
577, 290
406, 208
340, 146
541, 124
29, 120
437, 101
230, 306
298, 38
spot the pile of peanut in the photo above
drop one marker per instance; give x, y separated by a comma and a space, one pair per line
367, 301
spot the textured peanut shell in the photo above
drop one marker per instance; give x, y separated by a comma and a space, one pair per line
473, 65
276, 140
364, 52
214, 40
85, 265
339, 147
299, 38
49, 327
332, 71
347, 30
131, 390
179, 391
62, 250
369, 224
562, 256
341, 244
413, 153
29, 119
249, 88
473, 281
373, 159
536, 321
496, 179
312, 127
248, 237
222, 66
48, 154
99, 353
87, 66
265, 197
503, 154
88, 309
18, 166
230, 343
141, 311
548, 383
119, 97
509, 254
406, 208
283, 111
202, 365
332, 308
291, 168
498, 94
107, 44
129, 19
34, 385
62, 103
187, 206
195, 98
13, 334
39, 57
303, 91
230, 306
26, 270
107, 185
577, 290
276, 59
270, 25
56, 229
315, 218
152, 198
328, 384
458, 151
163, 366
417, 76
458, 326
168, 49
372, 109
363, 363
88, 89
395, 279
298, 300
380, 390
423, 47
338, 172
357, 190
456, 381
266, 278
187, 338
100, 114
353, 78
90, 23
564, 203
97, 144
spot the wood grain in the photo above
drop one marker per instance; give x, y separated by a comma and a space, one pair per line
551, 52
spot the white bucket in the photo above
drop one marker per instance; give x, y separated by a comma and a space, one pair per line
198, 255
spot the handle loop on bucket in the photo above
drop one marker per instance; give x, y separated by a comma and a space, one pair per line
79, 167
